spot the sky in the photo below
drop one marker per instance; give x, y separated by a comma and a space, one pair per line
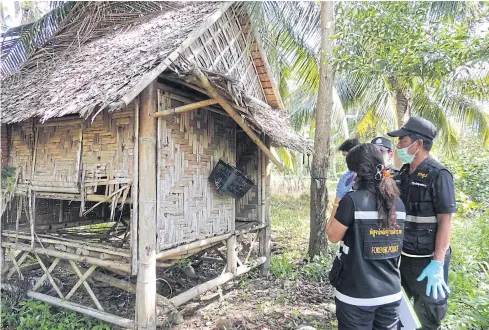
14, 20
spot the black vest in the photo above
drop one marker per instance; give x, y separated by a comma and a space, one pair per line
367, 263
417, 195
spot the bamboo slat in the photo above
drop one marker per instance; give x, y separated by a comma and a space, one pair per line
69, 256
122, 322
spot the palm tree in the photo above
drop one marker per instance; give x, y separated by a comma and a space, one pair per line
320, 160
375, 96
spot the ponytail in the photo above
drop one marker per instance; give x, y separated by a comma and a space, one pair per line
387, 194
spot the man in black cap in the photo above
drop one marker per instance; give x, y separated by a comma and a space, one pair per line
427, 191
385, 146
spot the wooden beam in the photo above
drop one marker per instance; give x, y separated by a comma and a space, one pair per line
110, 264
110, 318
209, 285
172, 79
184, 108
190, 246
236, 117
146, 280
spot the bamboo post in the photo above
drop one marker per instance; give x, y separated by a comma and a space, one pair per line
182, 249
135, 195
146, 280
236, 117
264, 235
122, 322
61, 211
185, 108
231, 255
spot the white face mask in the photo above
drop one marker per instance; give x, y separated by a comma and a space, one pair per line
387, 160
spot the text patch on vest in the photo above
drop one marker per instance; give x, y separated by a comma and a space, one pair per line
382, 243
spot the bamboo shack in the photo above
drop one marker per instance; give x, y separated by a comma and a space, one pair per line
139, 133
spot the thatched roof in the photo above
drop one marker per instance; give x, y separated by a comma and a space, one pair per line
101, 55
97, 74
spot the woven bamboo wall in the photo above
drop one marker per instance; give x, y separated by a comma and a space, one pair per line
189, 146
4, 145
56, 153
108, 146
22, 147
226, 47
107, 154
248, 162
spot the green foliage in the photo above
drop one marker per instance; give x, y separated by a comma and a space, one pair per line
389, 56
469, 273
8, 178
281, 266
35, 315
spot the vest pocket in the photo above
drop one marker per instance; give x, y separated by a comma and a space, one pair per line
335, 275
426, 241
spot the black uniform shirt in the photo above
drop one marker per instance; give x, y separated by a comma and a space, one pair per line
443, 189
345, 214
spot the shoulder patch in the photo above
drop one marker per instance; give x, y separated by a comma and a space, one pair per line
422, 174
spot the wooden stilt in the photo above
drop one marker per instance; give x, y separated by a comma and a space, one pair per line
146, 280
231, 255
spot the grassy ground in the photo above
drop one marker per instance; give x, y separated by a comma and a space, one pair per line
297, 293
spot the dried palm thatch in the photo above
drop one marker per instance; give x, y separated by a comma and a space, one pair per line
274, 123
93, 57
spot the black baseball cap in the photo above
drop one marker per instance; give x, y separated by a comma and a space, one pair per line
382, 143
416, 125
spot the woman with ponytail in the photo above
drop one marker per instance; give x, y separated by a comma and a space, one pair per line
369, 224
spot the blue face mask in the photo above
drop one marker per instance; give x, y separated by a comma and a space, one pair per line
404, 156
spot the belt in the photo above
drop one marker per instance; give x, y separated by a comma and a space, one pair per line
417, 256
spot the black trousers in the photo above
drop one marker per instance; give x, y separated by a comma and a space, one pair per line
429, 310
351, 317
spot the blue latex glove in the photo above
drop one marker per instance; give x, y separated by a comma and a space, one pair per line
346, 182
436, 281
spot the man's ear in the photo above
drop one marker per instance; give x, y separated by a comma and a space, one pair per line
421, 144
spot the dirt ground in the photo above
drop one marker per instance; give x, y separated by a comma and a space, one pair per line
254, 302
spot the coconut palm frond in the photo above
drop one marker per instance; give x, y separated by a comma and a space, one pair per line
426, 107
289, 31
20, 42
465, 110
68, 26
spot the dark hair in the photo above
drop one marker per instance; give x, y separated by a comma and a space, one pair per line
365, 159
427, 143
348, 145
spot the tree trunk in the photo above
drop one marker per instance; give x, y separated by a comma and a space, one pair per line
320, 161
402, 109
